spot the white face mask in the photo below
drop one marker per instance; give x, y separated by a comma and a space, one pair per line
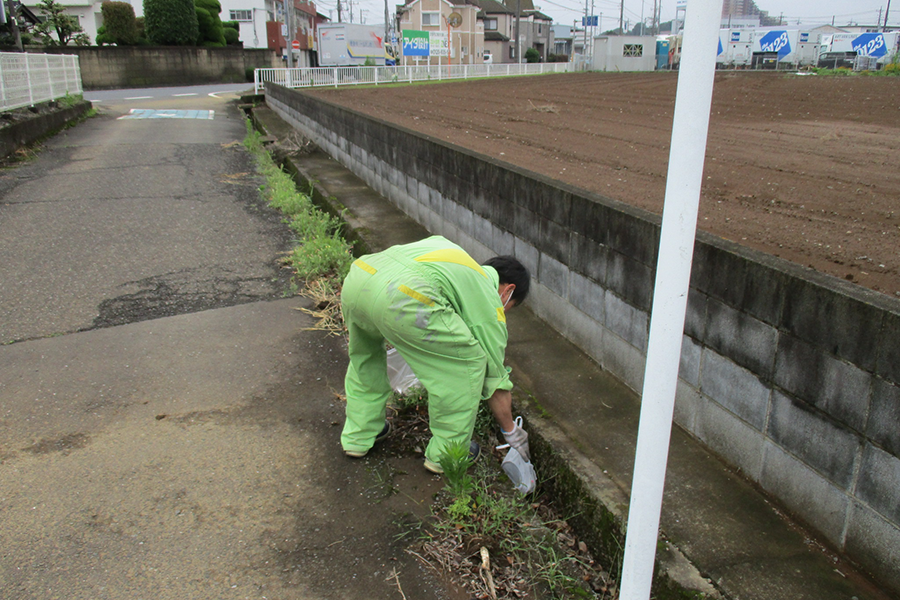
508, 298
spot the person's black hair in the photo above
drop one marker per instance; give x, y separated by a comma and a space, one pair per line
512, 271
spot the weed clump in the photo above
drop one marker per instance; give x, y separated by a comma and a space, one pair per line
320, 251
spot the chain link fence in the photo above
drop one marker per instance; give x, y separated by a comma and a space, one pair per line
29, 79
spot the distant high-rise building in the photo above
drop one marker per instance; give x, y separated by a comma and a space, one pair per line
746, 8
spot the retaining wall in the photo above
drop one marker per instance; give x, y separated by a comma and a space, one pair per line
27, 131
790, 375
113, 67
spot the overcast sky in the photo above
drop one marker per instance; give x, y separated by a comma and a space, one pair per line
808, 12
564, 12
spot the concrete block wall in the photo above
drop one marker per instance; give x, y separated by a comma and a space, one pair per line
109, 67
790, 375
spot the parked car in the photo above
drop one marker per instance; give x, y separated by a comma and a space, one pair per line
836, 60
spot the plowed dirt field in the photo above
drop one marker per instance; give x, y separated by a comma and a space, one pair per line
803, 167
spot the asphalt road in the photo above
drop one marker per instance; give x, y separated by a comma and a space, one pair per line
168, 424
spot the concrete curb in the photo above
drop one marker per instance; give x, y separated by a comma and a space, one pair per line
27, 132
598, 506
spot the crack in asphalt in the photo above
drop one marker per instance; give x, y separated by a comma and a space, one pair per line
187, 291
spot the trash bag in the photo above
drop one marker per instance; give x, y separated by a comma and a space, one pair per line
520, 471
399, 373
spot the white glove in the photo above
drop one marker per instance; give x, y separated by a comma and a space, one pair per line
518, 439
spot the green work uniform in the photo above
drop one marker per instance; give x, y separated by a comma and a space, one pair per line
441, 310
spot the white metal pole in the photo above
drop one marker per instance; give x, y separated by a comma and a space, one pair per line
679, 224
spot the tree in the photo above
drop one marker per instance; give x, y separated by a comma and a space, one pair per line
210, 25
56, 21
532, 55
119, 24
232, 32
171, 22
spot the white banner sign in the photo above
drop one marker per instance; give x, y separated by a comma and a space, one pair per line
439, 44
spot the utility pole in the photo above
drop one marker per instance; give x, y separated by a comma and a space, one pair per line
518, 44
289, 24
621, 18
339, 11
387, 30
585, 24
13, 24
886, 11
642, 17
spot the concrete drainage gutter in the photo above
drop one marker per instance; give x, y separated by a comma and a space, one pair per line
30, 130
600, 510
596, 505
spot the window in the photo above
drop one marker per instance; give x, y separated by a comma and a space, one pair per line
241, 15
431, 19
512, 51
633, 50
490, 24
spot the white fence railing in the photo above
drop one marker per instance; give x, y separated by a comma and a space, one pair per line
335, 76
28, 79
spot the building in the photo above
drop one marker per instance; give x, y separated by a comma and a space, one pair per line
499, 29
453, 26
535, 29
251, 15
624, 53
303, 19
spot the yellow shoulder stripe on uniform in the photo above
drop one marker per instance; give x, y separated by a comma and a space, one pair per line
416, 295
368, 269
452, 255
501, 315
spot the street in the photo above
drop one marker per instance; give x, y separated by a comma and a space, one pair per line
168, 426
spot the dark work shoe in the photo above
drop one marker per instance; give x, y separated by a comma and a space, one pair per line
381, 436
474, 453
384, 432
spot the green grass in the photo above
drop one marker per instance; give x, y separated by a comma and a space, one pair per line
320, 250
889, 70
70, 100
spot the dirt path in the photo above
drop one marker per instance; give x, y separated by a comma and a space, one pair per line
805, 168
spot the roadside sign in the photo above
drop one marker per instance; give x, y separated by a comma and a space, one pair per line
415, 43
439, 42
295, 44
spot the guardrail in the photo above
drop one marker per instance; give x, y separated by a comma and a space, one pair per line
29, 79
337, 76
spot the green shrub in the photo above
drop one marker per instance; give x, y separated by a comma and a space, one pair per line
119, 24
209, 23
141, 32
232, 36
171, 22
532, 55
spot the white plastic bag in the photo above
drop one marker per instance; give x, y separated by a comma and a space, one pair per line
520, 471
400, 374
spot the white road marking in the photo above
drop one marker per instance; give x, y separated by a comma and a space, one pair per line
138, 98
180, 95
213, 94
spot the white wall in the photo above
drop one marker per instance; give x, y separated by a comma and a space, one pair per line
609, 50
